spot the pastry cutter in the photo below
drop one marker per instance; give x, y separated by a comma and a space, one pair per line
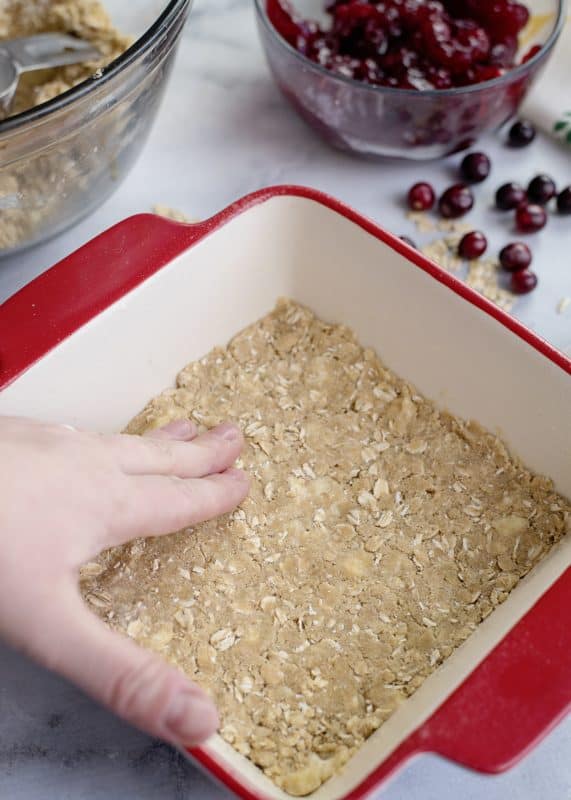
43, 51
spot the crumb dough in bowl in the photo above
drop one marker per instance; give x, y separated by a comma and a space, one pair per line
74, 132
86, 19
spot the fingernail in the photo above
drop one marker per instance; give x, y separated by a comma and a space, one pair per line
179, 427
227, 431
236, 475
191, 718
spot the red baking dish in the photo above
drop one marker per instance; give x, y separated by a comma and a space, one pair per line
89, 341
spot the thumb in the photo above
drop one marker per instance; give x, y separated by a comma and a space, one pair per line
133, 683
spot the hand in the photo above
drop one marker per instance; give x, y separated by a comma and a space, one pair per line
64, 497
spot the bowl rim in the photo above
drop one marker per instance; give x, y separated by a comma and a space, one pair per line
163, 23
520, 70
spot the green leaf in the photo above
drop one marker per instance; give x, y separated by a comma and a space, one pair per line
560, 126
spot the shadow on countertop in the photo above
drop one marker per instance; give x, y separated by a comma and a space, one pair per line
56, 744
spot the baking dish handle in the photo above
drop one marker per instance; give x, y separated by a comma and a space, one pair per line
506, 705
514, 697
74, 291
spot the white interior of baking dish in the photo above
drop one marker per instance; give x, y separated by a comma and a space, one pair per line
453, 352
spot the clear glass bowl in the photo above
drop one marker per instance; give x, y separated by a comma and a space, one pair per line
61, 160
381, 121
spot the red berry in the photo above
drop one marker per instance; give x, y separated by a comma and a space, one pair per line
533, 51
292, 27
503, 53
523, 281
410, 44
521, 134
421, 197
564, 201
515, 257
456, 201
541, 190
530, 218
473, 245
509, 196
502, 17
475, 167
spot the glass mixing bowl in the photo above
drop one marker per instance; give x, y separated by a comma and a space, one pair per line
61, 160
381, 121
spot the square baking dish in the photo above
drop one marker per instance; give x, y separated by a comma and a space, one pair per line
90, 341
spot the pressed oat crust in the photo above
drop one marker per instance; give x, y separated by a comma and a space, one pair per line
378, 534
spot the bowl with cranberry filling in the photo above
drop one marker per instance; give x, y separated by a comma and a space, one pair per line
416, 79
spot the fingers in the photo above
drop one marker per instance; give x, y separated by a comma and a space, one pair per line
182, 430
207, 454
156, 505
135, 684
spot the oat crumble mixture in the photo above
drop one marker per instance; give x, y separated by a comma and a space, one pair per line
378, 534
86, 19
32, 191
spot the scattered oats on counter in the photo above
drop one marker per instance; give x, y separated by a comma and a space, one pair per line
454, 226
422, 221
378, 534
482, 274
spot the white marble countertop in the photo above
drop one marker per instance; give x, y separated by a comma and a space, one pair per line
224, 131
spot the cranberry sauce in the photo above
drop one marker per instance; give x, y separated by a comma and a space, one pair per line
409, 44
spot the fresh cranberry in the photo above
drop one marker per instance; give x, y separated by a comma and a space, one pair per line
503, 17
416, 44
510, 196
345, 66
399, 61
541, 190
359, 29
521, 134
533, 51
564, 201
369, 72
523, 281
321, 49
473, 38
458, 48
478, 74
518, 16
291, 26
515, 256
409, 241
439, 77
473, 245
503, 53
456, 201
475, 167
348, 17
530, 218
421, 197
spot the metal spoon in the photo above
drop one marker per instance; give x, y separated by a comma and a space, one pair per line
38, 52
